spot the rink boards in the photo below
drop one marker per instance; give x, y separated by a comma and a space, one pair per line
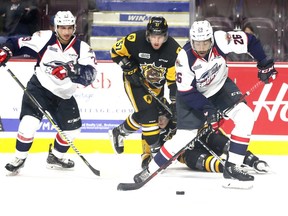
103, 105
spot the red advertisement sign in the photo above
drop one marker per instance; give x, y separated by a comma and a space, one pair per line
269, 102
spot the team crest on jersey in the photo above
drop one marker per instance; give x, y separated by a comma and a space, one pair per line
208, 76
54, 64
153, 74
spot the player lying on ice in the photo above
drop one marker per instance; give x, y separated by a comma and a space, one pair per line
199, 158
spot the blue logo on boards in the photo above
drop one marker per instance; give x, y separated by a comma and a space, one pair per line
88, 125
133, 17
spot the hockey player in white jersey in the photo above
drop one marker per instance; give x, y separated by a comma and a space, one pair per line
63, 62
204, 91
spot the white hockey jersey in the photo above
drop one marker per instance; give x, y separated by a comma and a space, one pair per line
208, 75
49, 51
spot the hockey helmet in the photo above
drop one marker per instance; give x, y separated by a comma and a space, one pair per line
201, 31
157, 25
64, 18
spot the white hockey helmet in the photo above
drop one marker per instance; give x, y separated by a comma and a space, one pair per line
201, 31
64, 18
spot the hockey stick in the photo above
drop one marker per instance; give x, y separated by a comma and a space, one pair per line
154, 96
242, 98
135, 186
1, 125
211, 151
49, 117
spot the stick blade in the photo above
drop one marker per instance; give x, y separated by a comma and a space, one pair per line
129, 186
96, 172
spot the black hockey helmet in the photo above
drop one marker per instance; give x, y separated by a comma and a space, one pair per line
157, 25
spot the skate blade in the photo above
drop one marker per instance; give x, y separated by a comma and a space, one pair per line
57, 167
15, 173
112, 142
236, 184
251, 170
266, 171
263, 170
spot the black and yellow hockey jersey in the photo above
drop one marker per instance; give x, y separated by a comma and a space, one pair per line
157, 66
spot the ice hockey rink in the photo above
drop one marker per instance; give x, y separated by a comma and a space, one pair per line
40, 191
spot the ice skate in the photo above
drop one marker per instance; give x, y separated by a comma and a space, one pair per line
236, 178
117, 139
15, 166
55, 163
142, 176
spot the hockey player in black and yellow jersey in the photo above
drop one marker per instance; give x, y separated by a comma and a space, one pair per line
147, 58
200, 159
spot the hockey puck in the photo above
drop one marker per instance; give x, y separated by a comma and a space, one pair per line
180, 192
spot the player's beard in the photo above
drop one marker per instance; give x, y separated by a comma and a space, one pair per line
202, 54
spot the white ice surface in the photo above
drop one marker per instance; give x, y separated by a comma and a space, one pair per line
42, 192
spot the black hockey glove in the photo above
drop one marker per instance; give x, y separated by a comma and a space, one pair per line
5, 55
266, 73
82, 74
213, 117
131, 71
172, 108
162, 110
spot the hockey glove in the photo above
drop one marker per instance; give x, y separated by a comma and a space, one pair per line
61, 72
171, 113
5, 55
162, 110
213, 117
131, 71
83, 74
266, 72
